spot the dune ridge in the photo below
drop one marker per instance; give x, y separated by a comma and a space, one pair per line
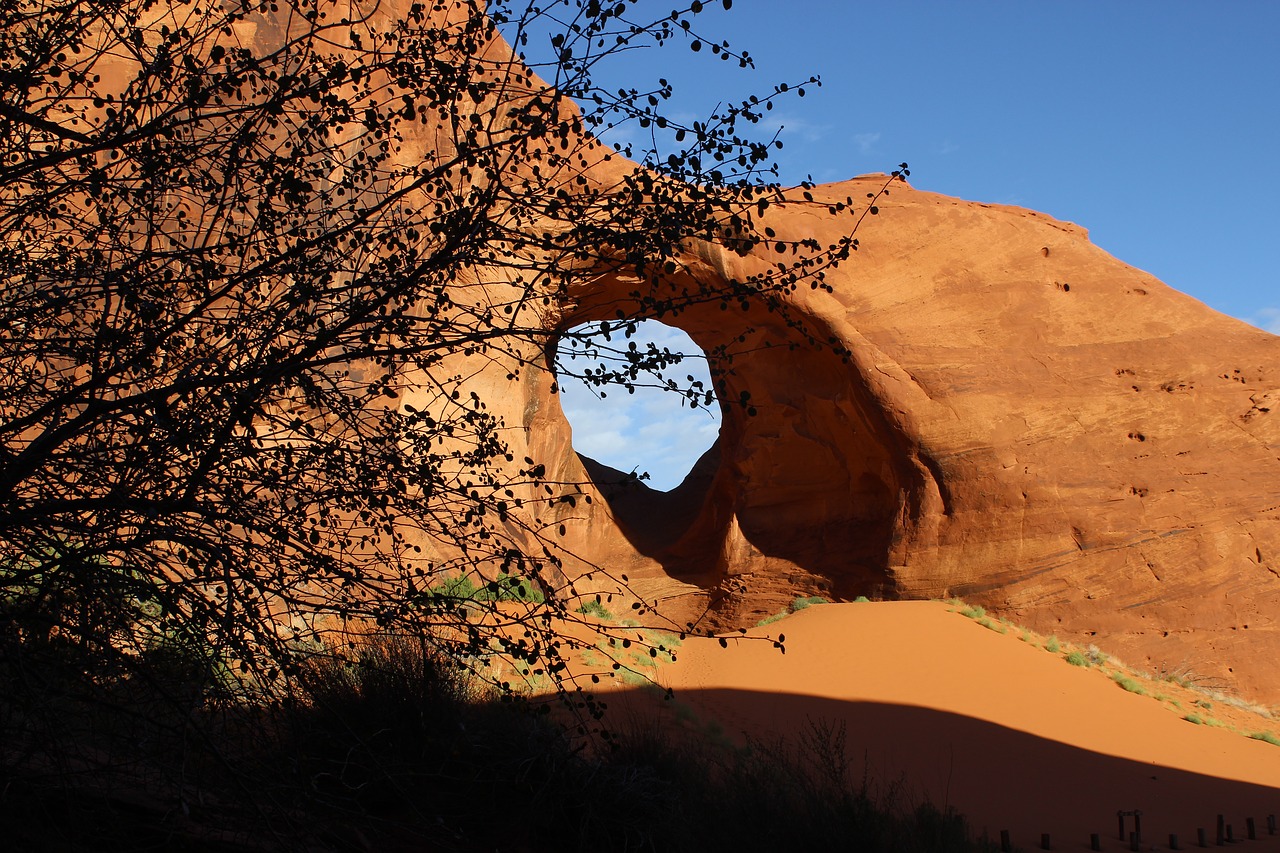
978, 721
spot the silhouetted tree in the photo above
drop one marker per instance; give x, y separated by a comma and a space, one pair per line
229, 230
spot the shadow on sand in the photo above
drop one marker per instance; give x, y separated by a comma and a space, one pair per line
999, 778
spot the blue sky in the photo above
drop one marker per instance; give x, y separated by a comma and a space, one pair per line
1156, 125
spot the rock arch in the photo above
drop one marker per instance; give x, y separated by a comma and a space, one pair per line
964, 426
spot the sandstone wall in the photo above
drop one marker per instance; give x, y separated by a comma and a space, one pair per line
1020, 419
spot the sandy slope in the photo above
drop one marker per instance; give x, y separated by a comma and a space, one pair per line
1001, 730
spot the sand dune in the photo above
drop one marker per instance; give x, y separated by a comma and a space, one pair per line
999, 729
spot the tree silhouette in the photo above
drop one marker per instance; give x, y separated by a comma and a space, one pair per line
232, 232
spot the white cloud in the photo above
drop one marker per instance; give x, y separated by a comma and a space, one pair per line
1266, 318
794, 127
651, 430
866, 141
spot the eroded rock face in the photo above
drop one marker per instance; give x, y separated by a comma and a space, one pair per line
1001, 411
986, 405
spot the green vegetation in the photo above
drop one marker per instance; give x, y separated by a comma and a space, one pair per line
1129, 684
504, 587
1269, 737
593, 607
1128, 678
800, 603
978, 613
862, 599
1096, 656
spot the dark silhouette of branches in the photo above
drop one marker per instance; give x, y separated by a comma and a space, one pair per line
233, 233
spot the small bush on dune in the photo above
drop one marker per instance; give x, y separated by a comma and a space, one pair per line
1269, 737
1052, 646
504, 587
795, 606
1096, 656
1077, 659
1128, 684
593, 607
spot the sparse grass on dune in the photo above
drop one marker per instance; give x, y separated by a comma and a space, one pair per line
1198, 690
1128, 683
594, 607
800, 603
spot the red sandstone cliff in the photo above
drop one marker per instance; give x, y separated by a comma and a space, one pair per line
1021, 420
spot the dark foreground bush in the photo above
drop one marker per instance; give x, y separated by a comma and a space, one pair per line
391, 750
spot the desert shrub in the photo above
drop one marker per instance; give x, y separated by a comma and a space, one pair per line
1052, 645
1075, 658
862, 599
1129, 684
798, 604
1269, 737
593, 607
1096, 656
660, 645
977, 611
504, 587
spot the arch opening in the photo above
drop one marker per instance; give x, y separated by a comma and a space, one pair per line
808, 484
639, 400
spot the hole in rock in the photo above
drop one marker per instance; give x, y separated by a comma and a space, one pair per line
638, 397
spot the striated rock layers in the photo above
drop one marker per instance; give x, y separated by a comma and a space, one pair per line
997, 409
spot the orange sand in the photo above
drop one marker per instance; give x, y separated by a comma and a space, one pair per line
1002, 731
